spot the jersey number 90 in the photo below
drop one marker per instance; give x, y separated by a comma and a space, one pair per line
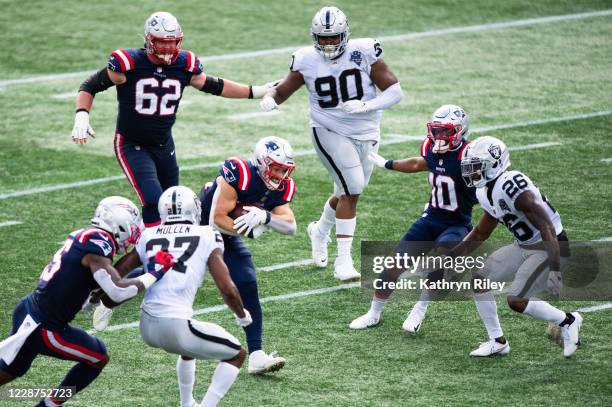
327, 88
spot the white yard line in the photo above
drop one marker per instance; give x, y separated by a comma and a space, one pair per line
607, 160
392, 38
396, 138
594, 308
298, 263
253, 115
10, 223
66, 95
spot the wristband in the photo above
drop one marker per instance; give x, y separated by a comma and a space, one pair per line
250, 91
81, 110
389, 164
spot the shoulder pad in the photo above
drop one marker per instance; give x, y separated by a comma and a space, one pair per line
290, 190
299, 58
97, 241
425, 145
192, 62
120, 60
369, 47
236, 172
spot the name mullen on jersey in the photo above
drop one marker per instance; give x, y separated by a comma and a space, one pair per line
332, 82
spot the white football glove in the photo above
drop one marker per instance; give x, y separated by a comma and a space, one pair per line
553, 285
258, 231
377, 159
260, 91
244, 321
268, 104
355, 106
254, 217
82, 129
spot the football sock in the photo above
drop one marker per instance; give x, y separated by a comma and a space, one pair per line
185, 373
327, 220
80, 376
224, 376
50, 403
250, 299
487, 309
542, 310
345, 227
377, 305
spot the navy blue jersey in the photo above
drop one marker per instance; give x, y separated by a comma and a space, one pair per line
65, 284
242, 175
149, 99
451, 201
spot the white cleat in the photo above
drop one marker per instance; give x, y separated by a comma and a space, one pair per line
570, 333
365, 321
101, 317
319, 245
260, 362
491, 348
413, 322
345, 271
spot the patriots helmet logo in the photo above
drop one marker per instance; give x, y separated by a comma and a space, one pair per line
495, 151
271, 146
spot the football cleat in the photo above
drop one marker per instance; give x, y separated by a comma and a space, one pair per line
413, 322
319, 245
260, 362
367, 320
491, 348
570, 333
101, 317
345, 271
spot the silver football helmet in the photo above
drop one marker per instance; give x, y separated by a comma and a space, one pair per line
273, 157
330, 22
179, 204
448, 128
121, 218
485, 159
163, 37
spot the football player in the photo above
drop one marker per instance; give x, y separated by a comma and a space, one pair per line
167, 309
342, 76
541, 245
448, 215
41, 319
265, 186
150, 83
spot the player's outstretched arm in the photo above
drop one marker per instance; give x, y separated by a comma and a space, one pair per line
527, 203
98, 82
387, 82
481, 232
227, 88
220, 274
408, 165
277, 95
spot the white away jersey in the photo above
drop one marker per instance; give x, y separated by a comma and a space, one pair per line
500, 205
332, 82
190, 245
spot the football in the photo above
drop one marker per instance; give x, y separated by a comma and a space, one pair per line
239, 209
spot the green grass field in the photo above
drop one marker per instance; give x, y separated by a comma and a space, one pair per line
541, 82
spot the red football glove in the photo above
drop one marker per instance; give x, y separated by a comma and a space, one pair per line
164, 259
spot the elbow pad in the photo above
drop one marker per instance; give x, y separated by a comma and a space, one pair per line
98, 82
115, 293
213, 85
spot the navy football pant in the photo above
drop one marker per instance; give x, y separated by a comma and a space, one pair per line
242, 271
69, 344
150, 169
433, 234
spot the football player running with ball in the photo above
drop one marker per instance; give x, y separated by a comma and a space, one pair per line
41, 319
345, 112
150, 83
540, 249
448, 216
263, 189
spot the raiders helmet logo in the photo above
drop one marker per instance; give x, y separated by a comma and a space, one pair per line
495, 151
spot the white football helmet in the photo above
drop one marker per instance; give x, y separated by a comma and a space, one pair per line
330, 22
179, 204
485, 159
163, 37
448, 128
121, 218
273, 157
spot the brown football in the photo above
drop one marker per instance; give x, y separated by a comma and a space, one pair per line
239, 211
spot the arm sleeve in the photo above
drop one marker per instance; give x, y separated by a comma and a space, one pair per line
117, 294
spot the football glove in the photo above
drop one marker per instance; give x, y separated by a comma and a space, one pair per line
268, 104
260, 91
81, 128
377, 159
355, 106
244, 321
254, 217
